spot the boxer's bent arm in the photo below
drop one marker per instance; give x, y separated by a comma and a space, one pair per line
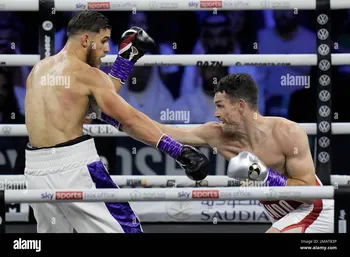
136, 124
117, 84
299, 164
190, 136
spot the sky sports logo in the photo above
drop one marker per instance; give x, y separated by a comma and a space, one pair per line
99, 5
77, 195
205, 194
210, 4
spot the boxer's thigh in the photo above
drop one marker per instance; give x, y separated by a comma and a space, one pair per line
325, 221
48, 216
300, 220
50, 219
273, 230
292, 230
99, 217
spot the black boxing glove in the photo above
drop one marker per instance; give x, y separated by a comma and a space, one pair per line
133, 44
193, 161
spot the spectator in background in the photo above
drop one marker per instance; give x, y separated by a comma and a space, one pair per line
222, 34
287, 37
10, 31
243, 27
200, 103
145, 91
10, 147
9, 109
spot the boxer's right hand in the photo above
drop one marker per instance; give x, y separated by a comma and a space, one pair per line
134, 43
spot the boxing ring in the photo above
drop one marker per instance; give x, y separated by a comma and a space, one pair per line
213, 188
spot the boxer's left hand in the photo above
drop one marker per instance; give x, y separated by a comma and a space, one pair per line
193, 161
246, 166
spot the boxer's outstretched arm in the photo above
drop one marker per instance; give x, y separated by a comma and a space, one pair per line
138, 125
196, 136
299, 163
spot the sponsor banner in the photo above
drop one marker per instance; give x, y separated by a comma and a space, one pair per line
201, 211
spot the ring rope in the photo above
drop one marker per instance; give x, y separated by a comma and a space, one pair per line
170, 194
146, 5
20, 182
339, 128
199, 59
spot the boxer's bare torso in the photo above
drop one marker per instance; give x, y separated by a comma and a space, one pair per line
280, 144
56, 101
273, 140
266, 146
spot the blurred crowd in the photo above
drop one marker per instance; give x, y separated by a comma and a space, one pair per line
189, 88
155, 90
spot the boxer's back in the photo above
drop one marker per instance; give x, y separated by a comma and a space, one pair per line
56, 103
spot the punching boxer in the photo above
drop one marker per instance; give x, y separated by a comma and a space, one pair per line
59, 156
270, 151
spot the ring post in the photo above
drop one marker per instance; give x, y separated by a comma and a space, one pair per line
2, 212
342, 209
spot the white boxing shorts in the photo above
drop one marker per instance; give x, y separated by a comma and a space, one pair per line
75, 165
311, 218
315, 218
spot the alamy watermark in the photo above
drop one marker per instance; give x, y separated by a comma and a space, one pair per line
53, 80
7, 184
177, 116
294, 80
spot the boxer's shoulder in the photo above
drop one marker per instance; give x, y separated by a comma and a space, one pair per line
283, 127
290, 136
91, 76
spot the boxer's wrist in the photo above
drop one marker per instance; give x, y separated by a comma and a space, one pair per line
169, 146
121, 69
274, 179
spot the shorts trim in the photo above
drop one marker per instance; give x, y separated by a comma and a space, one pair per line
121, 212
309, 219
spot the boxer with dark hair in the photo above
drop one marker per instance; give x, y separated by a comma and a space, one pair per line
59, 156
262, 151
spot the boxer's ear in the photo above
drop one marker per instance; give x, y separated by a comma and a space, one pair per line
84, 39
241, 105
